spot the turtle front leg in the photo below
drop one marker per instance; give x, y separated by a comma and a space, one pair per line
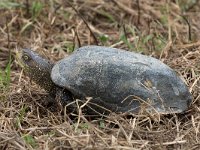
66, 99
49, 103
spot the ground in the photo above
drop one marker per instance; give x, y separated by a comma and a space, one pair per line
167, 30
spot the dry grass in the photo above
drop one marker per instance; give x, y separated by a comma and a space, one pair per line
167, 30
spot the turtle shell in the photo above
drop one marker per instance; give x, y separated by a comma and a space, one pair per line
128, 81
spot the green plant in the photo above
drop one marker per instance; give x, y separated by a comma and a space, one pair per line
186, 4
22, 112
30, 140
160, 42
102, 124
20, 117
107, 15
7, 4
126, 41
81, 127
36, 9
104, 39
84, 126
68, 47
5, 75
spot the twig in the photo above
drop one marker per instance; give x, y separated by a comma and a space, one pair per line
195, 82
125, 33
80, 111
70, 137
173, 142
125, 8
8, 40
138, 7
8, 35
121, 42
78, 39
189, 28
77, 12
27, 8
123, 131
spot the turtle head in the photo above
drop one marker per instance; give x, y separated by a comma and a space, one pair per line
36, 67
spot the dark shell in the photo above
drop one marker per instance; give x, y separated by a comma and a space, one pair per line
122, 80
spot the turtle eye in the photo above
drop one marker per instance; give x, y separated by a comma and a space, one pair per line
26, 57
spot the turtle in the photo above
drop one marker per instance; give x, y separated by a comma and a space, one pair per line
109, 80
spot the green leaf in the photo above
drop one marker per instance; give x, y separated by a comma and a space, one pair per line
107, 15
147, 38
102, 124
84, 126
36, 8
9, 5
30, 140
7, 73
124, 39
103, 38
22, 112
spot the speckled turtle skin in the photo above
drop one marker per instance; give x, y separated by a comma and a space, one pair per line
121, 81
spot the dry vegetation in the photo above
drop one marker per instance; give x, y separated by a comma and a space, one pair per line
168, 30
